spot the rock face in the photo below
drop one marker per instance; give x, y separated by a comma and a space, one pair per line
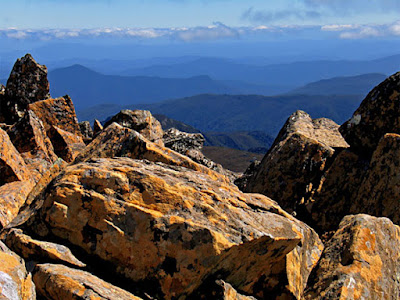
292, 169
218, 290
15, 281
361, 261
60, 282
184, 225
97, 127
66, 144
27, 84
141, 121
377, 115
86, 131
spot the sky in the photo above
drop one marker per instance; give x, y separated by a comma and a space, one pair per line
189, 20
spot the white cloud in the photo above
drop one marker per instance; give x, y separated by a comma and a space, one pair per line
336, 27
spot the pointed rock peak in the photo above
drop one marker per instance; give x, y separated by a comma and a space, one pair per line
377, 115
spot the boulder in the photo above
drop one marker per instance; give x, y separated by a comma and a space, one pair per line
377, 115
55, 282
291, 170
86, 131
97, 127
12, 165
30, 139
142, 121
15, 281
361, 261
218, 290
66, 144
250, 172
39, 251
168, 228
58, 112
27, 84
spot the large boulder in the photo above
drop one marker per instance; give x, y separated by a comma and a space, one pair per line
377, 115
86, 131
361, 261
27, 84
15, 281
291, 170
66, 144
218, 290
169, 228
55, 282
142, 121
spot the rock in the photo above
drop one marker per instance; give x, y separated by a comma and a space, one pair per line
377, 115
338, 190
218, 290
55, 282
66, 144
182, 142
2, 99
15, 281
27, 84
97, 127
250, 172
31, 249
29, 137
118, 141
58, 112
379, 192
142, 121
12, 165
291, 170
361, 261
167, 228
86, 131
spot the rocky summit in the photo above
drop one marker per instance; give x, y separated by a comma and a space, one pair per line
129, 211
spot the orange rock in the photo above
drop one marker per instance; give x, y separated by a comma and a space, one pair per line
15, 281
66, 144
218, 290
173, 227
30, 139
142, 121
60, 282
31, 249
58, 112
361, 261
12, 165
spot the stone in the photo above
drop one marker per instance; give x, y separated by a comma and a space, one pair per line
12, 165
291, 170
118, 141
30, 139
86, 131
142, 121
60, 282
39, 251
377, 115
218, 290
66, 144
97, 127
27, 84
58, 112
2, 99
250, 172
361, 261
166, 228
15, 281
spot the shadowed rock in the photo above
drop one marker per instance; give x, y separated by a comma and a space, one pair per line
86, 131
97, 127
361, 261
66, 144
218, 290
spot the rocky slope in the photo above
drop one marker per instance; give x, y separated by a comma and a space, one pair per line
132, 212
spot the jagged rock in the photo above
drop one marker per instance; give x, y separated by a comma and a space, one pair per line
291, 170
118, 141
66, 144
86, 131
250, 172
183, 225
339, 189
31, 249
97, 127
2, 99
361, 261
218, 290
377, 115
15, 281
29, 137
12, 165
58, 112
142, 121
55, 282
27, 84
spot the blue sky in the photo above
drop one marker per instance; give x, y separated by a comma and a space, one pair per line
208, 18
